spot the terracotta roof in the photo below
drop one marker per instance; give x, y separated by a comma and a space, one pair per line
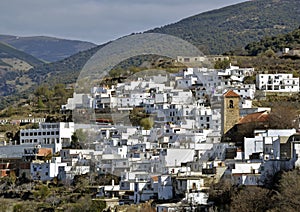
231, 93
155, 178
255, 117
44, 151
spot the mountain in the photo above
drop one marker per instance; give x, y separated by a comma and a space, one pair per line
16, 84
7, 51
13, 64
47, 48
232, 27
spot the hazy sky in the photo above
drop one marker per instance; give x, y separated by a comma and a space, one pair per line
97, 21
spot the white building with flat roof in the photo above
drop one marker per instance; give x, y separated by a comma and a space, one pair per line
55, 134
277, 82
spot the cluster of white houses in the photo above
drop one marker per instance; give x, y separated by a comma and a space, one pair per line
182, 154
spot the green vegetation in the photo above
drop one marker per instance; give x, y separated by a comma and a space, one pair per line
271, 65
146, 123
222, 64
233, 27
48, 99
270, 45
137, 115
55, 195
62, 72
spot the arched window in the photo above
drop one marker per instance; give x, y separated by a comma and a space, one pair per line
230, 103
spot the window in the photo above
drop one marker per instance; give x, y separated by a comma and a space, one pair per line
230, 103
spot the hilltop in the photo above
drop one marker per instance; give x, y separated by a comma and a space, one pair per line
45, 48
233, 27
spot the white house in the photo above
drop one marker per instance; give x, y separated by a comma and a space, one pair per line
55, 134
78, 101
247, 174
44, 171
277, 82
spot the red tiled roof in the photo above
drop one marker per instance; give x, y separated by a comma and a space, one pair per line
231, 93
44, 151
255, 117
155, 178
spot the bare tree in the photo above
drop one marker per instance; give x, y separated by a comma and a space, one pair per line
288, 197
283, 116
251, 199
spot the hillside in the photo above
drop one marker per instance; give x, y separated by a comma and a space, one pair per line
7, 51
19, 84
276, 43
64, 71
215, 32
13, 65
47, 48
232, 27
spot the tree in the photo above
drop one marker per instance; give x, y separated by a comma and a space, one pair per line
12, 179
75, 141
40, 104
269, 53
146, 123
251, 199
283, 117
136, 115
222, 64
220, 193
42, 192
44, 92
288, 197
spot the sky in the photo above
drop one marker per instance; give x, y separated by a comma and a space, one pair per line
97, 21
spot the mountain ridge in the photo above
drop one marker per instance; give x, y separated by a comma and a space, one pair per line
224, 29
49, 49
8, 51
